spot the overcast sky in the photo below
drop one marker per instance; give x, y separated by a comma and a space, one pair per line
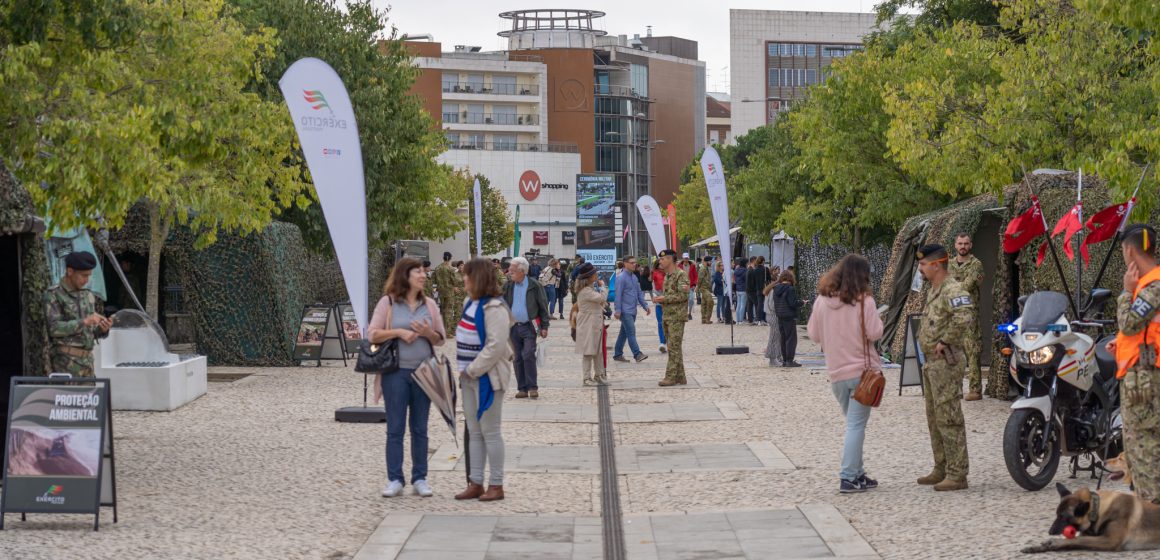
476, 22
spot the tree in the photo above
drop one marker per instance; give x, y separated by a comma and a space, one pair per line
145, 101
409, 194
770, 181
694, 214
498, 225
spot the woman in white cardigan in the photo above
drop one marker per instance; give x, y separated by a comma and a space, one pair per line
484, 357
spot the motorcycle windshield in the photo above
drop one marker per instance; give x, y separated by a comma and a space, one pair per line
1042, 309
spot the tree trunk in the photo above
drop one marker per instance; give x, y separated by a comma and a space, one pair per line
158, 232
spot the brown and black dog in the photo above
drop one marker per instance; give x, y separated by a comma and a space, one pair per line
1104, 520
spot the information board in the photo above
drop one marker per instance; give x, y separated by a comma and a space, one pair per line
351, 336
912, 358
595, 221
318, 335
59, 457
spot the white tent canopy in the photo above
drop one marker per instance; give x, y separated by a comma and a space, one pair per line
708, 240
781, 250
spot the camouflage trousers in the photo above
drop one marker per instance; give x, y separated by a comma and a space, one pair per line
974, 375
707, 305
942, 391
451, 313
1140, 406
674, 336
64, 363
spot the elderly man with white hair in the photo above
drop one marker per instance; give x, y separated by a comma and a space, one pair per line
529, 304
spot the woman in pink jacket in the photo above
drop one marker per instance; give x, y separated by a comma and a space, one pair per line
845, 316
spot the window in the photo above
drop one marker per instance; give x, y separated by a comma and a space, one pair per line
503, 85
791, 49
474, 83
602, 81
475, 140
713, 138
450, 81
639, 76
451, 113
792, 77
774, 77
503, 141
473, 114
503, 114
453, 139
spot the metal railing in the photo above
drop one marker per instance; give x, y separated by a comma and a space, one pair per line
553, 147
616, 91
492, 89
466, 117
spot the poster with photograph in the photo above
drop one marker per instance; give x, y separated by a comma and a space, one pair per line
350, 333
311, 333
53, 457
595, 219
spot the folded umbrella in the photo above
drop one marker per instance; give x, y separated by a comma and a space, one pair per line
435, 378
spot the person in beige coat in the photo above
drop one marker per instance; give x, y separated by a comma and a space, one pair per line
590, 324
484, 350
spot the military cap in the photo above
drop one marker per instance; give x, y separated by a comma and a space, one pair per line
707, 258
932, 251
446, 255
426, 264
80, 260
667, 253
585, 270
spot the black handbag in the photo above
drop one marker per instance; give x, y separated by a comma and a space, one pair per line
378, 358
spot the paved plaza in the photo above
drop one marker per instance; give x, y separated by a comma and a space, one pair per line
741, 463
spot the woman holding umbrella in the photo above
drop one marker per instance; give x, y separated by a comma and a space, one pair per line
484, 356
590, 324
404, 313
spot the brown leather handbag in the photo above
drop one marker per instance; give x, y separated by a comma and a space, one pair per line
873, 384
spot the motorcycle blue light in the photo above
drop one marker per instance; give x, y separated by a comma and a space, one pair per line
1007, 328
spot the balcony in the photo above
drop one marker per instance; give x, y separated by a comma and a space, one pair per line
552, 148
491, 122
617, 91
478, 88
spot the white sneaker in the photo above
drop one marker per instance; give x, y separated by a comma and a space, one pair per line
393, 489
422, 488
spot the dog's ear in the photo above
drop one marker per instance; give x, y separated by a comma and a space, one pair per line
1063, 491
1082, 509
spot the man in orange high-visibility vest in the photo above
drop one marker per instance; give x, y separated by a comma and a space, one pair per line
1136, 348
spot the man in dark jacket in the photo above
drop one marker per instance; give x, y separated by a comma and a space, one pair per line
754, 282
529, 303
787, 304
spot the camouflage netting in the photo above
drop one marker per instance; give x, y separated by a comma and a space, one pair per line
1057, 196
812, 262
15, 212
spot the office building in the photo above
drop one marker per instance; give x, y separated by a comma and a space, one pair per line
774, 56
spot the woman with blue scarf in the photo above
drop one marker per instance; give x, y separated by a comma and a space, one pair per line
484, 356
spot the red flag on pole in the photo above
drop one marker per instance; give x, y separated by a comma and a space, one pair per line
672, 226
1024, 227
1042, 253
1105, 223
1068, 225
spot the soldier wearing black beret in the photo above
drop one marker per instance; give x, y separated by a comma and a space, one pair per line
73, 322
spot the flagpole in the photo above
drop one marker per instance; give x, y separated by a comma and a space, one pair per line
1119, 231
1077, 251
1051, 245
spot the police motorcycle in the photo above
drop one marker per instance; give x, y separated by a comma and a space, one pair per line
1070, 404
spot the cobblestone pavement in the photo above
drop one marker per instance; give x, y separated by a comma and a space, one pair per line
259, 469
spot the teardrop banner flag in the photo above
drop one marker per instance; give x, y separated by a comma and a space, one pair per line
478, 195
324, 119
650, 213
719, 203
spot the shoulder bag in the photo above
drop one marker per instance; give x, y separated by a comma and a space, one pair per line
873, 383
379, 358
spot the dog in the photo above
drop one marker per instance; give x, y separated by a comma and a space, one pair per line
1104, 520
1118, 469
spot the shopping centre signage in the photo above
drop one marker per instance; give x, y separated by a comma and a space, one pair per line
530, 185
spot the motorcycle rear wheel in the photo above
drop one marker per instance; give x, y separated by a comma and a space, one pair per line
1023, 433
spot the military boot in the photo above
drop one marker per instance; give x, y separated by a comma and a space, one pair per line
950, 485
936, 476
667, 382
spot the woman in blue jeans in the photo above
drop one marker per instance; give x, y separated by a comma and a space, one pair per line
549, 279
846, 324
404, 313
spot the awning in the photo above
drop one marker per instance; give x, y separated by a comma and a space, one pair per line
713, 239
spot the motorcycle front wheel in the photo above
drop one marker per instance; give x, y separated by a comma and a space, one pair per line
1031, 463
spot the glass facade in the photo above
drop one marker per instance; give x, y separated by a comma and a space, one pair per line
622, 129
791, 68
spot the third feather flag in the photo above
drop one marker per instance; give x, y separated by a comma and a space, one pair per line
1105, 223
1069, 224
1025, 227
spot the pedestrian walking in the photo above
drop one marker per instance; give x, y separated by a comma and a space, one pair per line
968, 271
845, 323
484, 361
529, 305
739, 271
946, 316
763, 280
690, 270
658, 278
1136, 312
406, 314
719, 291
561, 286
590, 325
673, 299
548, 279
449, 287
705, 290
787, 306
74, 325
624, 310
754, 282
773, 341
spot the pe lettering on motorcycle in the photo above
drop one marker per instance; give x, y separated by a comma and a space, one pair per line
961, 301
1141, 307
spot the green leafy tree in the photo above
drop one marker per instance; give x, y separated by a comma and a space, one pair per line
694, 214
498, 224
141, 101
409, 194
770, 181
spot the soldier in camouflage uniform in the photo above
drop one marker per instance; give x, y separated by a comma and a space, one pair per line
948, 312
967, 270
705, 288
428, 286
673, 299
73, 322
1136, 353
449, 285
